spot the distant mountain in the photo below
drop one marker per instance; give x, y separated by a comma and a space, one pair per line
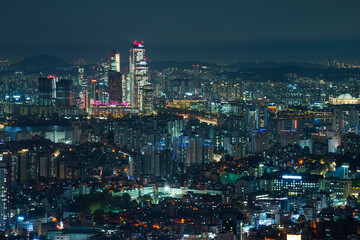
246, 65
180, 65
240, 65
281, 73
43, 62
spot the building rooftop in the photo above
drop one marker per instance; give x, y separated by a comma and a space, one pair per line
345, 96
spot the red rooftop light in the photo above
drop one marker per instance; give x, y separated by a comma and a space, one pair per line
138, 43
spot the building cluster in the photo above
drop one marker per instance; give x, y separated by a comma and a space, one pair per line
103, 89
204, 152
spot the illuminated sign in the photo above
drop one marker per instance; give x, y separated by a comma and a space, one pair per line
292, 177
293, 237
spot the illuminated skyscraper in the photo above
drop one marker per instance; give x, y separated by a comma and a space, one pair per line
147, 99
138, 75
114, 61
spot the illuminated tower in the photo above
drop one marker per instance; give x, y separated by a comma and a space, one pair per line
138, 75
114, 61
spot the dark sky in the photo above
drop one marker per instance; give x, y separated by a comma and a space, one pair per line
207, 30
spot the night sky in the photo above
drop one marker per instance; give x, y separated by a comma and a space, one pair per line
214, 31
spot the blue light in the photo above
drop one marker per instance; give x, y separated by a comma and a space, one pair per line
20, 218
292, 177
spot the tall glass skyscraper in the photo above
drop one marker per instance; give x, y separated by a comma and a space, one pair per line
114, 58
138, 75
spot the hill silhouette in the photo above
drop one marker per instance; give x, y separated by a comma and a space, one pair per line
43, 62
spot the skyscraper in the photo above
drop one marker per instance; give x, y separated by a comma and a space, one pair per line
115, 87
45, 90
138, 74
4, 194
147, 99
114, 61
64, 93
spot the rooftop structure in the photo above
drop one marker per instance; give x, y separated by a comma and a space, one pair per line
344, 99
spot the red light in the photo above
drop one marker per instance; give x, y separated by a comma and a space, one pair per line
138, 43
51, 76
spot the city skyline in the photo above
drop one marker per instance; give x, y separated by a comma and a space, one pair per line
183, 120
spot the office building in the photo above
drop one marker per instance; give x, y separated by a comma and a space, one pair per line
114, 58
138, 74
296, 185
64, 93
148, 99
115, 87
45, 91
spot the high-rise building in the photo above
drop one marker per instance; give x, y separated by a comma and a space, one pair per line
289, 137
115, 87
46, 165
147, 99
64, 93
345, 118
138, 75
4, 194
260, 140
45, 90
114, 61
28, 166
208, 149
91, 93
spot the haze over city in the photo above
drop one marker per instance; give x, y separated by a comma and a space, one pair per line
213, 31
